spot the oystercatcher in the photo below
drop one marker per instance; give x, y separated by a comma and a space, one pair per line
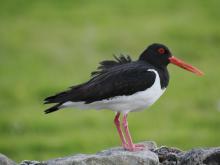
123, 86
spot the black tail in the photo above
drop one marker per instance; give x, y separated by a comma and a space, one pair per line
53, 108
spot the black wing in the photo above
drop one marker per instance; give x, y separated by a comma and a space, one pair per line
124, 79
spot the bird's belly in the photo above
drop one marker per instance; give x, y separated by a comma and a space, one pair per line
135, 102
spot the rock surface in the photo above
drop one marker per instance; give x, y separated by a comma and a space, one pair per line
4, 160
117, 156
174, 156
114, 156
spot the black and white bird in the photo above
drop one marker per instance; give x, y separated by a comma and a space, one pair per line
123, 86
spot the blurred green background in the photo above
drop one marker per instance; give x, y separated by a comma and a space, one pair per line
47, 46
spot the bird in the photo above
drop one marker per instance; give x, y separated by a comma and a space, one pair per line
123, 85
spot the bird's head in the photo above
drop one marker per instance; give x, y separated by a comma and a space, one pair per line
160, 56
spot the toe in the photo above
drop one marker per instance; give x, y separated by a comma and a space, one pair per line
140, 145
134, 147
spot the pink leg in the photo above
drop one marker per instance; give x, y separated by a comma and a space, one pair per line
117, 123
131, 146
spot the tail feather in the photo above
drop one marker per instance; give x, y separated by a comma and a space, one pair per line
60, 97
53, 108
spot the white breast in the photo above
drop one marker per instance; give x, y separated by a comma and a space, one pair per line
134, 102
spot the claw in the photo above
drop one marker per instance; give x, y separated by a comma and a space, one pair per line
140, 145
134, 147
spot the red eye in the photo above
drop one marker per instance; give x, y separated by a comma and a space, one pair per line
161, 50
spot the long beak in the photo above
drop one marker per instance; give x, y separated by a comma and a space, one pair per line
186, 66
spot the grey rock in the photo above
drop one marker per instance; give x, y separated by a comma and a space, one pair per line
4, 160
209, 156
30, 162
174, 156
169, 155
114, 156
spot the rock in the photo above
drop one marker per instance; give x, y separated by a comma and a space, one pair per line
174, 156
169, 155
209, 156
30, 162
118, 156
5, 160
113, 156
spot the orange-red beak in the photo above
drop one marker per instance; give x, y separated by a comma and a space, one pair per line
186, 66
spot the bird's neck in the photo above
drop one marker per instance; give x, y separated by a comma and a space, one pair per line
162, 71
164, 76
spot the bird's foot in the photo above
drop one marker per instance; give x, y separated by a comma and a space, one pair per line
140, 145
134, 147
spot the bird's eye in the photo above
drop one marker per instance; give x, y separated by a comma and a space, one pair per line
161, 50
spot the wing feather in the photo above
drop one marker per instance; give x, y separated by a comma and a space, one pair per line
107, 64
124, 79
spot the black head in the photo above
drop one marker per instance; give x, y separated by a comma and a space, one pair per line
157, 55
160, 56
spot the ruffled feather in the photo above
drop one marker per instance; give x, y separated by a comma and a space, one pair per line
105, 65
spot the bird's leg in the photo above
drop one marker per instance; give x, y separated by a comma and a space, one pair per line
117, 124
131, 146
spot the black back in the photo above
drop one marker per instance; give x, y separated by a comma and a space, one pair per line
120, 79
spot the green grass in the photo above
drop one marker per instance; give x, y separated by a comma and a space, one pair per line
47, 46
